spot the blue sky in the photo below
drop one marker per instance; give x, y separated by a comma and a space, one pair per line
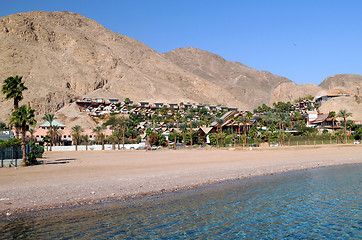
303, 40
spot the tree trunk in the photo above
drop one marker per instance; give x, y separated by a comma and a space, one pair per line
102, 144
191, 134
16, 107
23, 144
124, 129
175, 141
51, 136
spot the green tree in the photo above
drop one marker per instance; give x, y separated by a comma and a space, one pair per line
77, 135
2, 126
99, 131
127, 101
85, 139
344, 114
50, 118
13, 88
23, 117
123, 123
190, 115
332, 115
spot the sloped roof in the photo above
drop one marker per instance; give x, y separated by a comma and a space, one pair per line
206, 130
321, 118
54, 123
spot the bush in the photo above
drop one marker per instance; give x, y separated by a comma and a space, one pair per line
36, 149
13, 142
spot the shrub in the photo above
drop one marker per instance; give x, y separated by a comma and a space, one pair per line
36, 149
13, 142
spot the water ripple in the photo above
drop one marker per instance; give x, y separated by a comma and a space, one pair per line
315, 204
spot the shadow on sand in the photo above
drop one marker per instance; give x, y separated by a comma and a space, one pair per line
58, 161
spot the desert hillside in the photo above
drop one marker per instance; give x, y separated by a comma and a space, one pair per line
64, 56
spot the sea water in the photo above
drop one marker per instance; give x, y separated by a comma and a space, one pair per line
322, 203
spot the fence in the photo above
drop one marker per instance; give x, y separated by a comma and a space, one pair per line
11, 156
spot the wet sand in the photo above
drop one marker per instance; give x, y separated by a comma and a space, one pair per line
72, 178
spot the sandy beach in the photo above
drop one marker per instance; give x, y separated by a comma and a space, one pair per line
71, 178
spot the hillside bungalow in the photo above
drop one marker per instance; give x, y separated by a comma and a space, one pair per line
113, 100
172, 105
187, 105
212, 108
326, 95
144, 104
323, 122
98, 100
157, 105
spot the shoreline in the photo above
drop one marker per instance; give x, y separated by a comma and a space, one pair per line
78, 178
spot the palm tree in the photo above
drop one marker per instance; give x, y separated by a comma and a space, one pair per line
56, 134
117, 134
31, 131
344, 114
13, 88
332, 115
238, 121
120, 123
50, 118
100, 135
123, 124
23, 117
183, 127
288, 135
190, 116
249, 116
85, 139
77, 135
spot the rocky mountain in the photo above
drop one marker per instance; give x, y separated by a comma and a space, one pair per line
247, 84
64, 56
347, 82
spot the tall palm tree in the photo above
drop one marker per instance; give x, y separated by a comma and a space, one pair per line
77, 135
23, 117
50, 118
123, 124
219, 121
183, 127
249, 116
344, 114
85, 139
190, 116
332, 115
13, 88
100, 135
57, 133
31, 131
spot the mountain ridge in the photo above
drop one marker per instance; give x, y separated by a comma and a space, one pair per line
64, 56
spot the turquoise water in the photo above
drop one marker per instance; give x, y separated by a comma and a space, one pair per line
321, 203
